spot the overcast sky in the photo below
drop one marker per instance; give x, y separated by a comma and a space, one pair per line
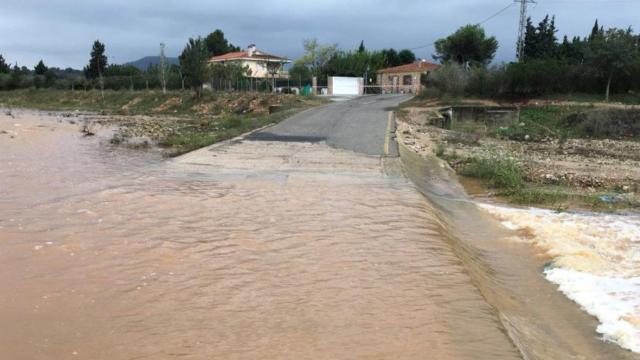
61, 31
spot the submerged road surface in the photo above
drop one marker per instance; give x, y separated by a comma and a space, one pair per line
302, 241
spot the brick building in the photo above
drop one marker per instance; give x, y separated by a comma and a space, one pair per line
405, 78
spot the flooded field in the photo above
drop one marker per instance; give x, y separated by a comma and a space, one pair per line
250, 250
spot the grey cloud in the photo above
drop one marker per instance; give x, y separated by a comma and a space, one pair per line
61, 32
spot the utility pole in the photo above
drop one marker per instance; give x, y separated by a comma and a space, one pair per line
163, 69
523, 25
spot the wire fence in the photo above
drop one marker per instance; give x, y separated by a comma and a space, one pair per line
243, 84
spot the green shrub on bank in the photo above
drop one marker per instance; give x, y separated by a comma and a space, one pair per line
502, 173
538, 78
565, 122
537, 196
611, 124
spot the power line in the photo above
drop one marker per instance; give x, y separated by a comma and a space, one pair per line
480, 23
496, 14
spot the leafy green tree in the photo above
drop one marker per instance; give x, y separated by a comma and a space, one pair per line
391, 58
97, 62
467, 45
229, 72
406, 56
354, 63
217, 44
40, 68
121, 70
194, 62
4, 67
361, 48
613, 53
317, 56
300, 73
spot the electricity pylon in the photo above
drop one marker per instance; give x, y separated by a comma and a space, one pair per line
522, 31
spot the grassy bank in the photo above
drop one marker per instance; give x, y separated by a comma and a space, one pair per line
505, 177
177, 121
556, 156
540, 123
195, 135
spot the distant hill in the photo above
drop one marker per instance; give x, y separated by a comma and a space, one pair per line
143, 64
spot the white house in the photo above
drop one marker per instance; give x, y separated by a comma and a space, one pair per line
261, 64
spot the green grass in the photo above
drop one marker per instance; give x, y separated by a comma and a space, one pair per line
501, 173
536, 196
539, 123
629, 99
208, 133
506, 176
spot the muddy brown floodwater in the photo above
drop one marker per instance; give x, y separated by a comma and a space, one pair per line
251, 250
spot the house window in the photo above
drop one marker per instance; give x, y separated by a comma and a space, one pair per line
407, 80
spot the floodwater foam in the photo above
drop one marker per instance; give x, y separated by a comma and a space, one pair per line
596, 263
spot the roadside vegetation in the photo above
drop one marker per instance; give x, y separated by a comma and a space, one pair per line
575, 141
177, 121
554, 156
605, 63
207, 131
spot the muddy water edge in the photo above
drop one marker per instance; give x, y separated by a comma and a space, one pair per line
540, 320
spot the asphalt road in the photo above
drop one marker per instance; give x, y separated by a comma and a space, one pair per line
359, 125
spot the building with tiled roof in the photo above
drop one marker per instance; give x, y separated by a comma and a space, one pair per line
405, 78
260, 63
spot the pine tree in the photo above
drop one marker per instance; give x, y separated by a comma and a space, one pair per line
406, 56
361, 48
217, 44
194, 63
40, 68
97, 62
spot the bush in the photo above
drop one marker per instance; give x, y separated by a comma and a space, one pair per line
502, 173
231, 123
613, 123
534, 78
532, 196
450, 80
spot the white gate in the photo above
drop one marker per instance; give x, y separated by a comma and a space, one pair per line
350, 86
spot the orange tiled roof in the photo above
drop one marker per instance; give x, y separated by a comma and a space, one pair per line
245, 55
230, 56
418, 66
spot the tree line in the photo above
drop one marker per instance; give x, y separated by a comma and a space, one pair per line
323, 60
100, 73
604, 61
195, 70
